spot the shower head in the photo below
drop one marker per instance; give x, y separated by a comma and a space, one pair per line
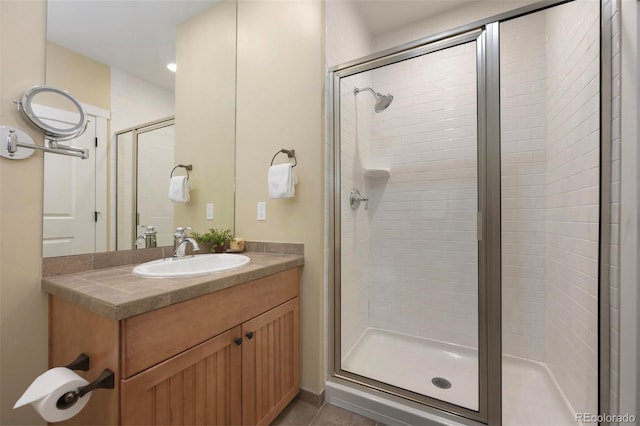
382, 100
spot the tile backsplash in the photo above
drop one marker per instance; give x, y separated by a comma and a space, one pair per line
86, 262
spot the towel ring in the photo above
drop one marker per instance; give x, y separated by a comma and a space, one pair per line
291, 153
187, 167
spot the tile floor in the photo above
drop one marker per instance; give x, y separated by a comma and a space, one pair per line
300, 413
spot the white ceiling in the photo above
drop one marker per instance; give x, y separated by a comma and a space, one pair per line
138, 36
135, 36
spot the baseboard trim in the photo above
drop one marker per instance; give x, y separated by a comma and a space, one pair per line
312, 398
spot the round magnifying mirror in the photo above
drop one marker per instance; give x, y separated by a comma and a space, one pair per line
38, 97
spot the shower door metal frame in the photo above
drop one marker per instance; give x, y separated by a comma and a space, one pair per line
135, 132
487, 379
490, 329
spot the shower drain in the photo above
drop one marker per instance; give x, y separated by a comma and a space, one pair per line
441, 382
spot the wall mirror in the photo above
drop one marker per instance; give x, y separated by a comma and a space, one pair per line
143, 119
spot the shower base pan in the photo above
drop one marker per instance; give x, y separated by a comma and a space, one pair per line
412, 362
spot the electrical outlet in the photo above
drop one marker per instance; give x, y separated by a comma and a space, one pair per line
210, 211
262, 210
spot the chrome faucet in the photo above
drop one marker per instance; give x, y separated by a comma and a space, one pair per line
149, 238
180, 243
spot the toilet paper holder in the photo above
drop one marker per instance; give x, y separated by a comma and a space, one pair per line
106, 380
81, 363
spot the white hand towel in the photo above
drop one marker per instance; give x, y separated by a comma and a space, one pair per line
282, 180
179, 187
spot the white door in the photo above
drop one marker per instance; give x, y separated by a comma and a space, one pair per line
70, 188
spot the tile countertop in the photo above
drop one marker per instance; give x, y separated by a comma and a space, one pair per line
118, 294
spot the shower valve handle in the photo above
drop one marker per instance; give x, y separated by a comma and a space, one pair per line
355, 198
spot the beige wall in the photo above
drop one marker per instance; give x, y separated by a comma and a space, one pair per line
23, 308
84, 78
280, 105
205, 114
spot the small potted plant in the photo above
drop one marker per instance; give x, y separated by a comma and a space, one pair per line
220, 239
204, 240
214, 240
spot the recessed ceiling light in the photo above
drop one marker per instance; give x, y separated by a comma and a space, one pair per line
172, 67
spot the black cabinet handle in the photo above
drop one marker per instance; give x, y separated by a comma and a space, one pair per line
249, 335
238, 341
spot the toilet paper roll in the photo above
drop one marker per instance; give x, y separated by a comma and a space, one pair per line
46, 389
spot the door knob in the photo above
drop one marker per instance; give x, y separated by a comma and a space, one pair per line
238, 341
249, 335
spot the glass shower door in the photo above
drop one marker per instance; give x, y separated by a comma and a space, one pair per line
408, 227
145, 159
156, 153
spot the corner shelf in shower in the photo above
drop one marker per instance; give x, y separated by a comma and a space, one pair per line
377, 173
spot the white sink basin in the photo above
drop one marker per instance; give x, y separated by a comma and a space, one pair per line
190, 266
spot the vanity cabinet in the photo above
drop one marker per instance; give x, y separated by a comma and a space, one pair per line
200, 386
270, 363
229, 357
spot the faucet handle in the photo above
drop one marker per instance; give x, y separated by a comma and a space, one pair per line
180, 230
148, 229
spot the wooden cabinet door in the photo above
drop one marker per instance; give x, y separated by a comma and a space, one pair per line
199, 386
270, 363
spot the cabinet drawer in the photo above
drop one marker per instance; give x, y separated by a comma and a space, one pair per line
155, 336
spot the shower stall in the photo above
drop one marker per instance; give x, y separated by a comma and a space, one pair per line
470, 192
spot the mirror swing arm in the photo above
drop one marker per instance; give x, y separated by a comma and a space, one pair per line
12, 144
12, 138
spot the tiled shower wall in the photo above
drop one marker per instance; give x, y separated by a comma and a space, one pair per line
523, 157
424, 259
550, 190
573, 157
613, 12
355, 114
348, 38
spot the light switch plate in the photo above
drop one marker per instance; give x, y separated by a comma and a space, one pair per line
262, 210
210, 211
